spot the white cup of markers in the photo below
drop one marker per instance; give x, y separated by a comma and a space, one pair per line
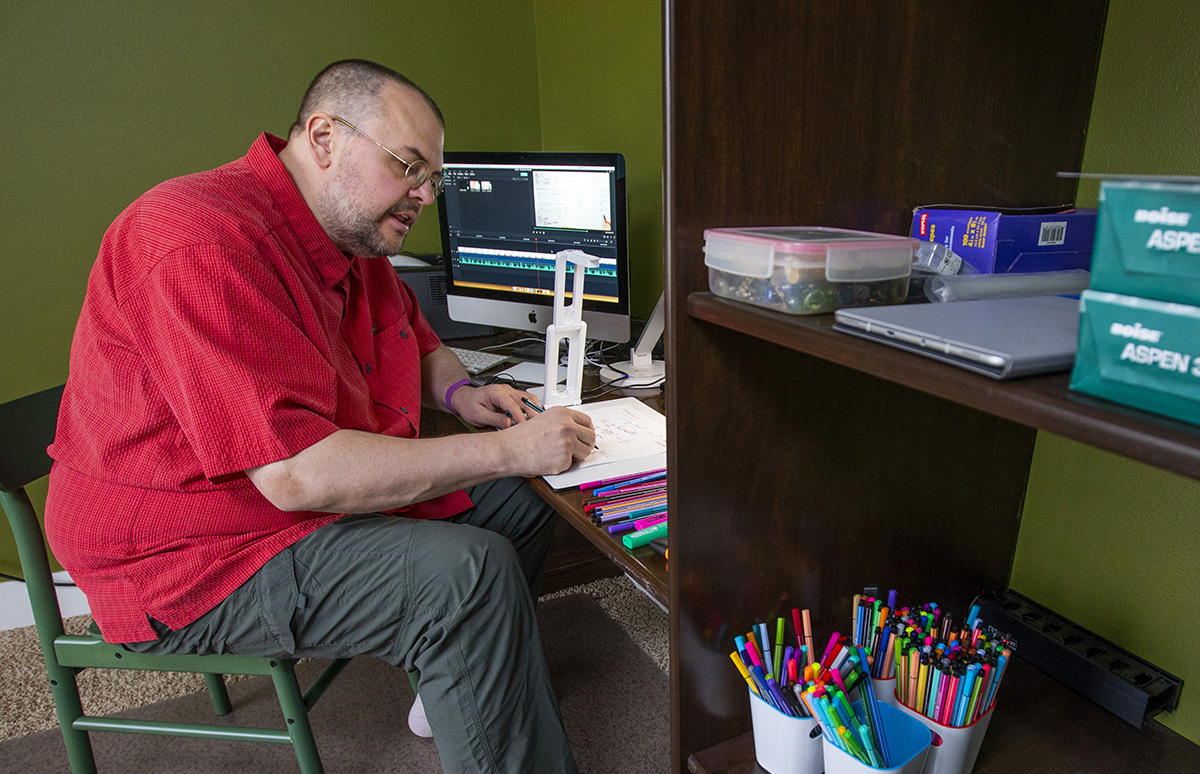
947, 677
793, 693
940, 722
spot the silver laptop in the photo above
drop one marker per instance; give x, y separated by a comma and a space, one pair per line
998, 337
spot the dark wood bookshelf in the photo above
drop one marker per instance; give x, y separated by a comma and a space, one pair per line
800, 458
1039, 402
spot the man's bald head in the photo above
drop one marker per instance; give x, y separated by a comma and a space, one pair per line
351, 87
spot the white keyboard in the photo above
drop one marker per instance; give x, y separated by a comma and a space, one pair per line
477, 362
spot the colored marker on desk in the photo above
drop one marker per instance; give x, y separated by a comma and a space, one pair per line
650, 521
650, 510
645, 486
635, 511
644, 536
628, 505
648, 477
618, 479
637, 524
626, 492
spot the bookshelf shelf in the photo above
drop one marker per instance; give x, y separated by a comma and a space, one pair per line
1039, 402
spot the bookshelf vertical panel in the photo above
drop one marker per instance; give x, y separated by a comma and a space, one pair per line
840, 113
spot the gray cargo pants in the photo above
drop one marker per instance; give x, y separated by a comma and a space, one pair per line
453, 599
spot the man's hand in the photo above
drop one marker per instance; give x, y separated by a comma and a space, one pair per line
545, 443
494, 405
549, 442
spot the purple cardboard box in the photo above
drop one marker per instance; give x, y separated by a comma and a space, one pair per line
1004, 240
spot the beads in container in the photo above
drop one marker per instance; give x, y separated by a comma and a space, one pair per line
808, 270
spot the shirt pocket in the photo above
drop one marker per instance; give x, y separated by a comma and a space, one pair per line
394, 379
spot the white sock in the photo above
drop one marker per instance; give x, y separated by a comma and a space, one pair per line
417, 722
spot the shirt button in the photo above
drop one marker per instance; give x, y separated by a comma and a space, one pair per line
403, 410
404, 334
368, 367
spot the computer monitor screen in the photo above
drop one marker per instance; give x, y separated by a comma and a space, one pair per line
503, 218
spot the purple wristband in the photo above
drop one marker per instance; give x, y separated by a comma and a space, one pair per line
450, 394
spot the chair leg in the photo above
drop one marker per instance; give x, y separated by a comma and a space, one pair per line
69, 708
291, 701
218, 694
44, 601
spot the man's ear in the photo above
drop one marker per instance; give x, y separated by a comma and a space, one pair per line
318, 131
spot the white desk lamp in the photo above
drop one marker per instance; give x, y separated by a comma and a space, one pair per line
642, 369
568, 324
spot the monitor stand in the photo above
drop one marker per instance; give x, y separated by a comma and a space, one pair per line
642, 369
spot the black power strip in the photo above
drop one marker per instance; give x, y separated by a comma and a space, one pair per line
1131, 688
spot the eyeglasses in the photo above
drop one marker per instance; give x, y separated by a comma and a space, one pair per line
416, 172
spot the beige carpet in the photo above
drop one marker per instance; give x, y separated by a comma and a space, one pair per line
26, 705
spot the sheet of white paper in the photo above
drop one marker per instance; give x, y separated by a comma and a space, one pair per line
532, 373
631, 438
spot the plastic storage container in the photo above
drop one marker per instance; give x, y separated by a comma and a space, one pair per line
808, 269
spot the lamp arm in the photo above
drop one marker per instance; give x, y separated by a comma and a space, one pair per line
642, 352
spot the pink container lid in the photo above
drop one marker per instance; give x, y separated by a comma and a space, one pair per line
846, 255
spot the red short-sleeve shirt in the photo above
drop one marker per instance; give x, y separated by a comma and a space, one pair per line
221, 330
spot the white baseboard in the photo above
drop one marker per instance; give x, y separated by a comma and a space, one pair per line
15, 611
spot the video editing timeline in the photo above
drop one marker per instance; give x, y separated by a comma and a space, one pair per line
507, 222
530, 272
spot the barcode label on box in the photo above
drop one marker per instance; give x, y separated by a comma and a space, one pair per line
1053, 234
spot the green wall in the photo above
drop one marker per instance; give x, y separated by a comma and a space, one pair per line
1110, 543
112, 98
600, 72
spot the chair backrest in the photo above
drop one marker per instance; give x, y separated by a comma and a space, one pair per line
26, 429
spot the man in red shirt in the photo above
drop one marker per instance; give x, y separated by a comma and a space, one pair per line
247, 372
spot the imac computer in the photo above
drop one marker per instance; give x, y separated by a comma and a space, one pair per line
503, 218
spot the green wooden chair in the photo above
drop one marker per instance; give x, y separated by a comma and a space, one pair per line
26, 429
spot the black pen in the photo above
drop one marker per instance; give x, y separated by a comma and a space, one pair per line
540, 409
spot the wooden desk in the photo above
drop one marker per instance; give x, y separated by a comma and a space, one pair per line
643, 565
583, 552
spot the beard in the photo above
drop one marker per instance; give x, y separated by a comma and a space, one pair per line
351, 228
